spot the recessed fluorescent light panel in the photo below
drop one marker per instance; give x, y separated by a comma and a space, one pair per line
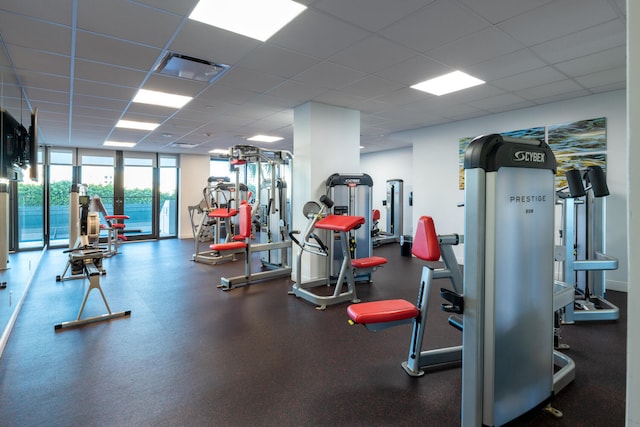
188, 67
264, 138
448, 83
130, 124
162, 99
258, 19
119, 144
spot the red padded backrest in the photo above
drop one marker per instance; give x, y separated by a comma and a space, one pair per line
376, 214
425, 243
245, 220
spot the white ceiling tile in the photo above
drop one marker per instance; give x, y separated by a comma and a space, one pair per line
126, 20
497, 102
371, 86
371, 15
297, 93
44, 81
475, 48
604, 60
413, 70
557, 19
594, 39
102, 90
249, 79
529, 79
37, 96
435, 25
41, 61
277, 61
116, 52
329, 75
505, 65
40, 35
177, 85
94, 102
372, 54
182, 7
105, 73
316, 34
602, 78
548, 90
61, 12
496, 11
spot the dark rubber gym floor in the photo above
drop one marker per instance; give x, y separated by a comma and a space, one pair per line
191, 354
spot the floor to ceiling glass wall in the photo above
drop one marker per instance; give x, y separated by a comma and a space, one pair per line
31, 219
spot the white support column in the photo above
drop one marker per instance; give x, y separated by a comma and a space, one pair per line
326, 140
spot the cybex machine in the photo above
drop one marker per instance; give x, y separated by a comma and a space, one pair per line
351, 195
509, 295
270, 174
582, 250
394, 207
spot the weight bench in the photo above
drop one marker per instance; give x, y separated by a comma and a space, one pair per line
379, 315
239, 242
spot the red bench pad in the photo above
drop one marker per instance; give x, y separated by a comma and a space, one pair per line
110, 217
340, 222
382, 311
227, 246
372, 261
222, 213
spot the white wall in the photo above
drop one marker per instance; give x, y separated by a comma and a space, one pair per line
435, 164
385, 165
194, 171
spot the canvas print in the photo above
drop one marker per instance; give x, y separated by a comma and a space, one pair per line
463, 143
578, 145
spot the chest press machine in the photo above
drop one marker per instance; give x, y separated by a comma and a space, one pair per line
508, 299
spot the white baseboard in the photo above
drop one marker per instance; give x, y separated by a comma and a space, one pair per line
614, 285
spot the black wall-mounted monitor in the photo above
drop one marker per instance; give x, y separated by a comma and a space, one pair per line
18, 147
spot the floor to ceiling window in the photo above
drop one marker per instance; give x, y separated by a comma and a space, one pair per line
138, 170
31, 222
168, 186
60, 178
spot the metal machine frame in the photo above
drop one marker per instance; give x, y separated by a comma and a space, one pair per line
394, 204
581, 253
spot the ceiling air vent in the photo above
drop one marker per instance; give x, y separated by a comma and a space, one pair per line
182, 145
187, 67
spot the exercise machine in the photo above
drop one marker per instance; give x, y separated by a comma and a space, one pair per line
212, 219
509, 296
320, 219
581, 253
379, 315
394, 209
270, 212
85, 257
351, 195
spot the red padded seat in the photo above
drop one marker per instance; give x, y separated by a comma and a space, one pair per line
372, 261
222, 213
227, 246
392, 310
375, 215
340, 222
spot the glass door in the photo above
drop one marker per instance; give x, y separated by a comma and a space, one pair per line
31, 223
168, 192
137, 195
60, 176
98, 173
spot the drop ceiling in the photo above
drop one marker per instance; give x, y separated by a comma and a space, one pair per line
80, 62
